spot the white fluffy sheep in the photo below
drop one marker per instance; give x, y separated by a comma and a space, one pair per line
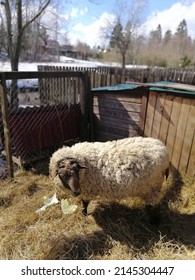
114, 170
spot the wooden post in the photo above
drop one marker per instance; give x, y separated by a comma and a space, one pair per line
91, 136
5, 118
84, 109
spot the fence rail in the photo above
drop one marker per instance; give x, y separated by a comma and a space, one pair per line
106, 76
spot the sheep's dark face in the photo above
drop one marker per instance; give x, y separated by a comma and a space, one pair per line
68, 172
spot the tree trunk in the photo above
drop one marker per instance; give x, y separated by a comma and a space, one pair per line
14, 42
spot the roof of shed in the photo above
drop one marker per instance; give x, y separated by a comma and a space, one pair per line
157, 86
172, 87
118, 87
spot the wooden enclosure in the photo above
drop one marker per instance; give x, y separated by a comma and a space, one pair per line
119, 111
165, 111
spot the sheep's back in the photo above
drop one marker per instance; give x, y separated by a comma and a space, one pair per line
130, 167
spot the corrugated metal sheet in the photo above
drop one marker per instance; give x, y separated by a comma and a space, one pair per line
36, 129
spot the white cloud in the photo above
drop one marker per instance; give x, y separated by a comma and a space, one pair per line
74, 13
90, 33
170, 19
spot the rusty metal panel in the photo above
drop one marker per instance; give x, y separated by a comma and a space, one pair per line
35, 130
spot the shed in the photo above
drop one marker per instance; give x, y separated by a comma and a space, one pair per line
162, 110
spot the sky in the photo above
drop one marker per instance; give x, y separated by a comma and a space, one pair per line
85, 19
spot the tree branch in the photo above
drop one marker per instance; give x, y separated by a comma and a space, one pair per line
35, 17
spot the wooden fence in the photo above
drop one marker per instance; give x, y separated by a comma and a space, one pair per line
108, 76
171, 118
163, 113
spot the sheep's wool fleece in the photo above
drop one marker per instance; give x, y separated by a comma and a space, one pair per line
118, 169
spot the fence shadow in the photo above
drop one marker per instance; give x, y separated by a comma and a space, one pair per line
129, 227
132, 226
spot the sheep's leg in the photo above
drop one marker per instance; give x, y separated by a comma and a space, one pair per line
154, 214
85, 205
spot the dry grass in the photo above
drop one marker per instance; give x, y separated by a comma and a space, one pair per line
112, 231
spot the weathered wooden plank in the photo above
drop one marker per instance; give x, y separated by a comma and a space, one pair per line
109, 81
111, 128
173, 122
120, 114
183, 118
106, 134
97, 79
117, 115
94, 79
117, 104
6, 126
143, 112
125, 97
127, 124
165, 118
158, 115
102, 136
150, 113
42, 74
188, 139
117, 130
191, 163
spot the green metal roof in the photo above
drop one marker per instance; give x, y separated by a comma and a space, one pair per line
172, 87
163, 86
117, 87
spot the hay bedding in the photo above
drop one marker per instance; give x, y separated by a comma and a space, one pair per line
112, 231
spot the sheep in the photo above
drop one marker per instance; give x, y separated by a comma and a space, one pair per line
112, 171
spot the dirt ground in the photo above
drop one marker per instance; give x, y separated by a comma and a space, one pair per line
110, 231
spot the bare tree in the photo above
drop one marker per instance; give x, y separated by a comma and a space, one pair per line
16, 26
120, 31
